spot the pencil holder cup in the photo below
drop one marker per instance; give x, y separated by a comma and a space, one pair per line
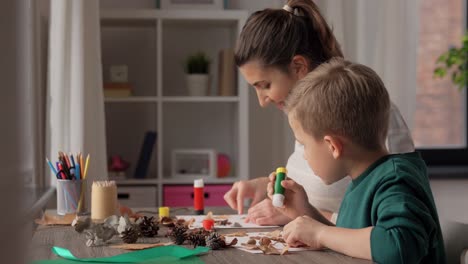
70, 196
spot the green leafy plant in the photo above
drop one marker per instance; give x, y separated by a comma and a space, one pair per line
455, 62
197, 63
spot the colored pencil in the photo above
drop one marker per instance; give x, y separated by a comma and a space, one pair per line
82, 165
86, 167
51, 167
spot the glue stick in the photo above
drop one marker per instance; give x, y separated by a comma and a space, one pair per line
198, 196
278, 195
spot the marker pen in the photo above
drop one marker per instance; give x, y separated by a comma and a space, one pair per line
198, 196
278, 195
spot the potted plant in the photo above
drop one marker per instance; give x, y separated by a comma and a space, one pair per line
455, 61
198, 80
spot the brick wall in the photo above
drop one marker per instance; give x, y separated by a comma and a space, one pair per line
439, 117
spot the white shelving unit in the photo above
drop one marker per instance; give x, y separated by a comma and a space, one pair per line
154, 45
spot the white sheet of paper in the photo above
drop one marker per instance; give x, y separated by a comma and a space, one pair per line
244, 239
235, 221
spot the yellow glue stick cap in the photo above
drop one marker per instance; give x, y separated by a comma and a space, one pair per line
163, 211
281, 170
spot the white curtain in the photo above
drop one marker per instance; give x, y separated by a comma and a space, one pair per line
381, 34
75, 105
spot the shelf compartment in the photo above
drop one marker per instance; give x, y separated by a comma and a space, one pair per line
132, 99
192, 37
201, 126
136, 48
126, 128
200, 99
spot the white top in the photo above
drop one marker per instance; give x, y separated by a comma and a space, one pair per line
328, 197
278, 200
198, 183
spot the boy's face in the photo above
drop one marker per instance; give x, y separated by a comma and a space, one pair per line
318, 154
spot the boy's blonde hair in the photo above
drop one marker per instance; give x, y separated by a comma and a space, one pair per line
345, 99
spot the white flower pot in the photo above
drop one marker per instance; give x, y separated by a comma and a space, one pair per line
198, 84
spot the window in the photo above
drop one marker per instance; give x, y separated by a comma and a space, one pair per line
439, 128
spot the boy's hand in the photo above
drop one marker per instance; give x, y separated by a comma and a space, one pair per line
241, 190
296, 202
304, 231
264, 213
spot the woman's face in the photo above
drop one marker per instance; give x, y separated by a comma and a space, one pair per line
271, 84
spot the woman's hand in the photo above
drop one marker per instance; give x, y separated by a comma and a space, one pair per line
264, 213
254, 189
304, 231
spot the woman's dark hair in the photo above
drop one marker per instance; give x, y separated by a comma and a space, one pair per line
275, 36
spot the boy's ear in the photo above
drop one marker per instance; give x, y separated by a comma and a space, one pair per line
300, 66
335, 146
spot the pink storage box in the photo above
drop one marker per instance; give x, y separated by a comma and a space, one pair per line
182, 195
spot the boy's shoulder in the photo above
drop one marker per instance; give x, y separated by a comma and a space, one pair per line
403, 165
401, 169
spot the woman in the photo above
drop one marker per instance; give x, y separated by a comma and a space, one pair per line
276, 48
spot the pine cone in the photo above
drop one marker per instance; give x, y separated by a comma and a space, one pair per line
130, 235
198, 238
178, 234
148, 227
215, 241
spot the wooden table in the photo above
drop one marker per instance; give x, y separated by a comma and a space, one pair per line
45, 238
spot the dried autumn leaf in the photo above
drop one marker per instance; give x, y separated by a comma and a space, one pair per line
249, 246
264, 241
237, 234
269, 250
124, 210
276, 233
167, 221
233, 242
278, 239
252, 241
222, 222
209, 215
180, 221
140, 246
221, 217
190, 222
56, 220
285, 250
236, 224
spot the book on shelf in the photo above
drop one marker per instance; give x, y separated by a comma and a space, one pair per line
226, 73
146, 151
116, 89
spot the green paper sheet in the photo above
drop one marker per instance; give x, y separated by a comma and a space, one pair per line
167, 254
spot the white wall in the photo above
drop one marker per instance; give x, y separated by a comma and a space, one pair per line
10, 136
451, 197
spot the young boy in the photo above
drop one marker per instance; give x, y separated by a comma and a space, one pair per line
340, 112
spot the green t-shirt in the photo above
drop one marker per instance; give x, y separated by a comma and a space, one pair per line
393, 195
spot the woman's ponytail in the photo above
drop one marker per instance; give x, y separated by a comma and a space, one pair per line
331, 47
274, 36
